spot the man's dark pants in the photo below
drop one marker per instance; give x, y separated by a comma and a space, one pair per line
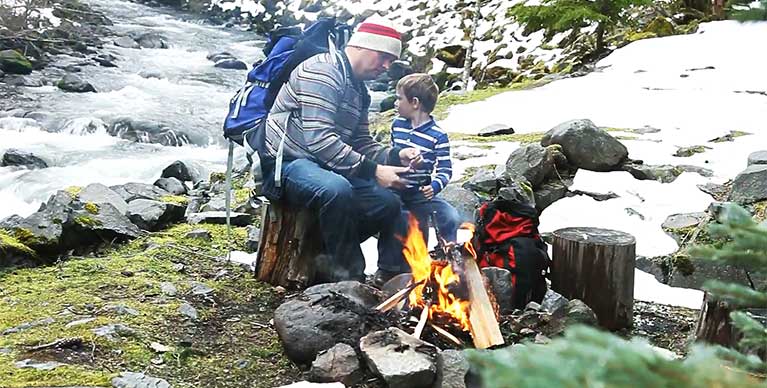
350, 210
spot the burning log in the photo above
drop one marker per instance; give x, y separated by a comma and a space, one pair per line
288, 246
393, 300
422, 321
446, 334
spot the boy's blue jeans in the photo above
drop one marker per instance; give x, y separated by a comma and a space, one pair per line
350, 211
447, 221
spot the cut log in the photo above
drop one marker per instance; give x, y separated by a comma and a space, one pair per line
714, 324
290, 242
596, 266
485, 331
394, 300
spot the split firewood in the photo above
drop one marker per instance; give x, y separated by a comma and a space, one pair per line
422, 321
62, 343
485, 330
388, 304
446, 334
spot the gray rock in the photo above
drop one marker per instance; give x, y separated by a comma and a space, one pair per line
148, 131
79, 322
126, 42
14, 157
198, 288
213, 55
586, 146
13, 62
646, 129
138, 380
695, 273
483, 181
215, 204
152, 40
105, 60
231, 63
153, 215
675, 222
188, 311
254, 236
201, 234
399, 358
757, 157
463, 200
339, 363
532, 161
74, 84
130, 191
548, 193
500, 282
171, 185
28, 325
113, 331
108, 223
30, 363
100, 194
150, 74
715, 190
309, 325
665, 173
577, 312
452, 368
554, 303
186, 171
518, 190
702, 171
653, 266
168, 288
357, 292
6, 351
496, 130
121, 309
750, 185
686, 152
45, 227
237, 219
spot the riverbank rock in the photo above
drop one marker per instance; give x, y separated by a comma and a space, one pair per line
13, 62
532, 161
145, 131
171, 185
154, 215
465, 201
587, 146
99, 194
14, 157
664, 173
134, 190
400, 359
75, 84
186, 171
750, 185
337, 364
126, 42
231, 63
152, 40
758, 157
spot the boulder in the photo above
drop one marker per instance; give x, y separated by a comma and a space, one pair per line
399, 69
719, 192
152, 40
577, 312
500, 283
215, 204
750, 185
675, 224
465, 201
13, 62
549, 192
105, 60
554, 303
145, 131
587, 146
357, 292
399, 358
154, 215
107, 223
212, 56
186, 171
14, 157
100, 194
134, 190
758, 157
702, 171
43, 230
74, 84
452, 368
496, 130
337, 364
219, 217
171, 185
231, 63
126, 42
531, 161
519, 190
482, 181
317, 321
138, 380
664, 173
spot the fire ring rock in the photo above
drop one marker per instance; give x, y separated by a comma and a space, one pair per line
399, 358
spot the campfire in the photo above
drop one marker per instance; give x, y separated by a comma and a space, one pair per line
448, 293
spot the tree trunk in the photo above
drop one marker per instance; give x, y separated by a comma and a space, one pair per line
467, 62
700, 5
596, 266
290, 242
600, 32
714, 325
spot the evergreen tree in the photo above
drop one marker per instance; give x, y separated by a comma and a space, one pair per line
746, 248
555, 16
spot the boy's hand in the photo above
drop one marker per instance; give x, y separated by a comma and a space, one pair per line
427, 191
410, 157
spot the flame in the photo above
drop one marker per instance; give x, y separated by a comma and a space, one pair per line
435, 277
468, 245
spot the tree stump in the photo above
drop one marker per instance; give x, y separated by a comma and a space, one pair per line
714, 324
596, 266
290, 241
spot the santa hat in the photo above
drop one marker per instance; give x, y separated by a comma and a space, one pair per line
379, 34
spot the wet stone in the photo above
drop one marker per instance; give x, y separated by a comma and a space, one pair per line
168, 288
200, 289
188, 311
138, 380
29, 363
29, 325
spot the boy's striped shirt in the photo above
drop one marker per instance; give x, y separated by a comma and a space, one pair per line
434, 145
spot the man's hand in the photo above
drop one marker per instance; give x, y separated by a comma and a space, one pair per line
386, 176
410, 157
427, 191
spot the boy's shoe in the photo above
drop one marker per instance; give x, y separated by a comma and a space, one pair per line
382, 276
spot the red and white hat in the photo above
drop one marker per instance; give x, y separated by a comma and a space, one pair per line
379, 34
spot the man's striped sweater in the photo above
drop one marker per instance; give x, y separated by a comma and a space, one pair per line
328, 120
434, 145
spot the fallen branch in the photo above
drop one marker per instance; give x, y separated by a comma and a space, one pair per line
59, 343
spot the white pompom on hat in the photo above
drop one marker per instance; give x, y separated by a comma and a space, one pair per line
379, 34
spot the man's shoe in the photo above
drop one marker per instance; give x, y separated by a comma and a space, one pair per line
382, 276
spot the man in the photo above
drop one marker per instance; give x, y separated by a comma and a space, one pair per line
320, 155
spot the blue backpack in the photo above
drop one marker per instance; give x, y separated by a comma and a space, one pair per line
285, 49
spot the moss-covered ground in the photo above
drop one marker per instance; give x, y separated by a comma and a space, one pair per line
231, 344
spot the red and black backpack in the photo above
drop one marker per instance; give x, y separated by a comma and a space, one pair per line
507, 236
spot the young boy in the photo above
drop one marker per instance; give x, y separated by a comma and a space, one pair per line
416, 97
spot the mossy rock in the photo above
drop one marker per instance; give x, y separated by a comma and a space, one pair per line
661, 27
13, 62
635, 36
175, 199
11, 247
